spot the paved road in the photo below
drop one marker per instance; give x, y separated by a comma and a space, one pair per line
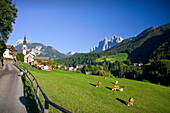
12, 99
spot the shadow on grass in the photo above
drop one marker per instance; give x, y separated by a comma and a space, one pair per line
28, 99
93, 84
122, 101
109, 88
112, 82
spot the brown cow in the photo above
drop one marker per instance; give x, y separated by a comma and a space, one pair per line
131, 101
115, 88
98, 84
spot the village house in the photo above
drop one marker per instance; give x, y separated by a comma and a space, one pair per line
10, 52
79, 66
137, 64
39, 60
89, 73
47, 68
74, 69
29, 58
59, 66
71, 69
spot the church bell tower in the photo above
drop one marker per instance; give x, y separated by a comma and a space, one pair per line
24, 49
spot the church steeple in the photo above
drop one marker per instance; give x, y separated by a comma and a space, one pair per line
24, 42
24, 48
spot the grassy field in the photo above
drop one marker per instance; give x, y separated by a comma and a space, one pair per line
113, 58
77, 93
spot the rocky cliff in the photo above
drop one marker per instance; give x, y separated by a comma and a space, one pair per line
106, 44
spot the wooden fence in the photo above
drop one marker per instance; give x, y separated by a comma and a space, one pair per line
36, 90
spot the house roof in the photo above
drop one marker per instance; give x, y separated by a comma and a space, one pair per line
42, 58
14, 53
31, 54
9, 46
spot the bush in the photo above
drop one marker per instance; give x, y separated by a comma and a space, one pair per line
20, 57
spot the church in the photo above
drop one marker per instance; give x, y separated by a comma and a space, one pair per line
28, 58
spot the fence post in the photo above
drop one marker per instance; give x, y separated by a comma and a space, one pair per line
38, 90
37, 93
46, 110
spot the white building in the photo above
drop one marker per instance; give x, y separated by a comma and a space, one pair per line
10, 52
24, 48
28, 58
79, 66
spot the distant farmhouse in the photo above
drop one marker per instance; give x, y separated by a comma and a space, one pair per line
9, 54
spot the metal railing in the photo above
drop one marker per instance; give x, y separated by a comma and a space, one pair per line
36, 89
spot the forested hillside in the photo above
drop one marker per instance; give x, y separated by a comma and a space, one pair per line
141, 48
147, 45
87, 58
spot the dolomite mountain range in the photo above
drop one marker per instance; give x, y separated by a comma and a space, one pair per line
107, 44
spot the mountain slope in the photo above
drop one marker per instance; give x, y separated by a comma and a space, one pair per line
42, 50
140, 48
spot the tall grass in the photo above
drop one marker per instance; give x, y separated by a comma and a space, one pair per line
77, 93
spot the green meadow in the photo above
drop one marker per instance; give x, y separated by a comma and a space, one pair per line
77, 93
113, 58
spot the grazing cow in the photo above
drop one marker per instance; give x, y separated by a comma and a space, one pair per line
115, 88
121, 89
131, 101
116, 82
98, 84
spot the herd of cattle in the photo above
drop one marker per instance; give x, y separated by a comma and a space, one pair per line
118, 88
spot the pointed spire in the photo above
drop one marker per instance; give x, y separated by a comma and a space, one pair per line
25, 38
25, 42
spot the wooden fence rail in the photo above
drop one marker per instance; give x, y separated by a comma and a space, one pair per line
36, 89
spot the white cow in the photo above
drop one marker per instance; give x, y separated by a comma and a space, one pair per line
121, 89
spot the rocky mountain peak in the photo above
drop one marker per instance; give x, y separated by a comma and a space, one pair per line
71, 53
106, 44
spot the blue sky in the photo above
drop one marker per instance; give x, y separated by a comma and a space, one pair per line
78, 25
